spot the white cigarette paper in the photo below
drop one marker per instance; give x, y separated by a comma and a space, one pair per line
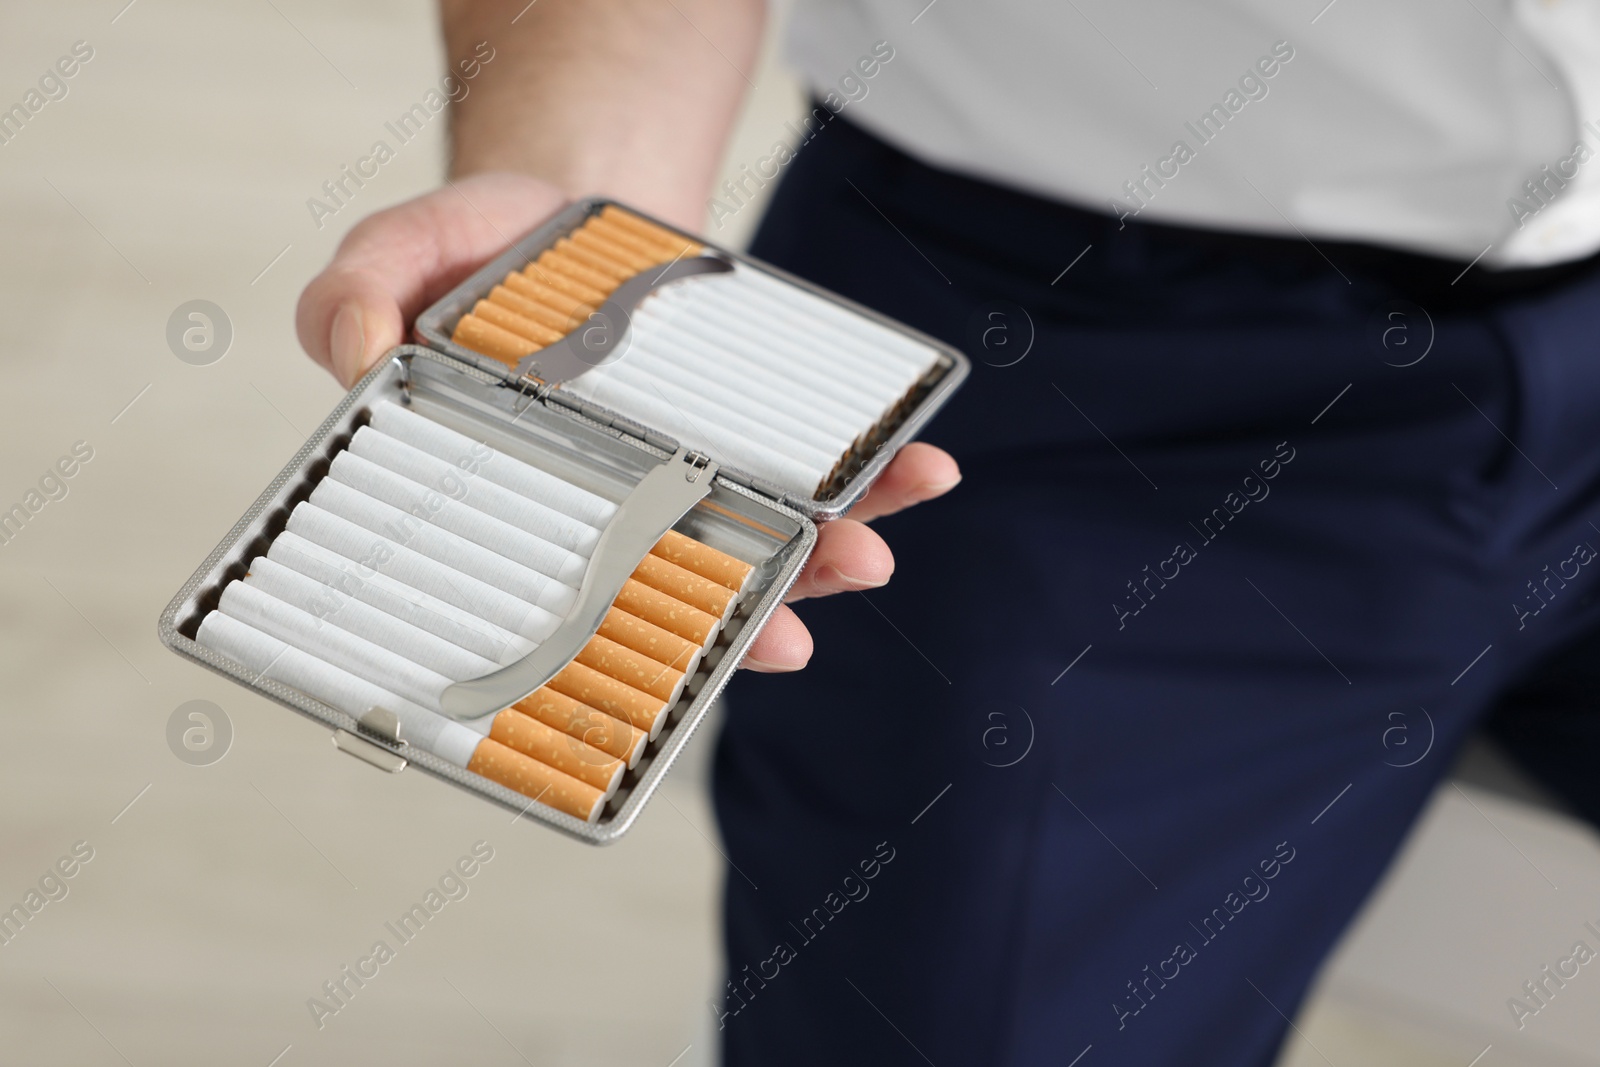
372, 552
448, 548
373, 587
397, 491
477, 458
343, 649
429, 470
367, 622
271, 658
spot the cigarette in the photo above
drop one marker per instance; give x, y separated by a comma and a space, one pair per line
864, 398
734, 382
346, 577
558, 258
648, 230
509, 320
494, 500
312, 528
647, 638
589, 725
705, 308
341, 648
491, 340
533, 779
268, 657
553, 748
669, 613
562, 275
451, 549
596, 244
721, 406
615, 698
325, 606
615, 270
632, 668
798, 305
729, 446
432, 506
658, 251
371, 644
810, 389
682, 584
702, 559
531, 309
474, 457
534, 287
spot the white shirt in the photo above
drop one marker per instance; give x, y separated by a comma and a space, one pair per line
1420, 124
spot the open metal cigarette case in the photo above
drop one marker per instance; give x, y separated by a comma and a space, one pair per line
582, 408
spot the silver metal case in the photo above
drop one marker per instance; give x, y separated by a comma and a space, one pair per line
436, 325
740, 522
524, 417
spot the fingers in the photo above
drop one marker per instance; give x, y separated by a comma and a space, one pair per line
918, 472
784, 644
393, 264
849, 556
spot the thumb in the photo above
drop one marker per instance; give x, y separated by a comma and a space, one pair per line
394, 263
355, 319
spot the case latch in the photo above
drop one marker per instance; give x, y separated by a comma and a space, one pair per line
662, 497
367, 752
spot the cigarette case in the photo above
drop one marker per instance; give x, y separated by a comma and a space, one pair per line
526, 553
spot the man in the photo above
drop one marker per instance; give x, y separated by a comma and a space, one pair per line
1280, 468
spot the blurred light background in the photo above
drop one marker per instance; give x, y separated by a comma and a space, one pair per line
219, 898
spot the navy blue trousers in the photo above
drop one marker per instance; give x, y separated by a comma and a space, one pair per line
1252, 535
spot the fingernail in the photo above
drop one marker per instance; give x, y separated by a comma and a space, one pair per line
347, 343
935, 488
834, 580
752, 664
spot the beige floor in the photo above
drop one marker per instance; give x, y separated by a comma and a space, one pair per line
176, 168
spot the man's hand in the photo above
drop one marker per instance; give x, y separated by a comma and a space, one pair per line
399, 261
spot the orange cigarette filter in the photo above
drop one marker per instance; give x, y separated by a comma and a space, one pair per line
610, 251
534, 779
520, 325
612, 269
614, 697
663, 646
574, 309
670, 614
560, 271
625, 665
577, 720
553, 748
707, 562
543, 314
595, 716
567, 282
485, 337
685, 585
